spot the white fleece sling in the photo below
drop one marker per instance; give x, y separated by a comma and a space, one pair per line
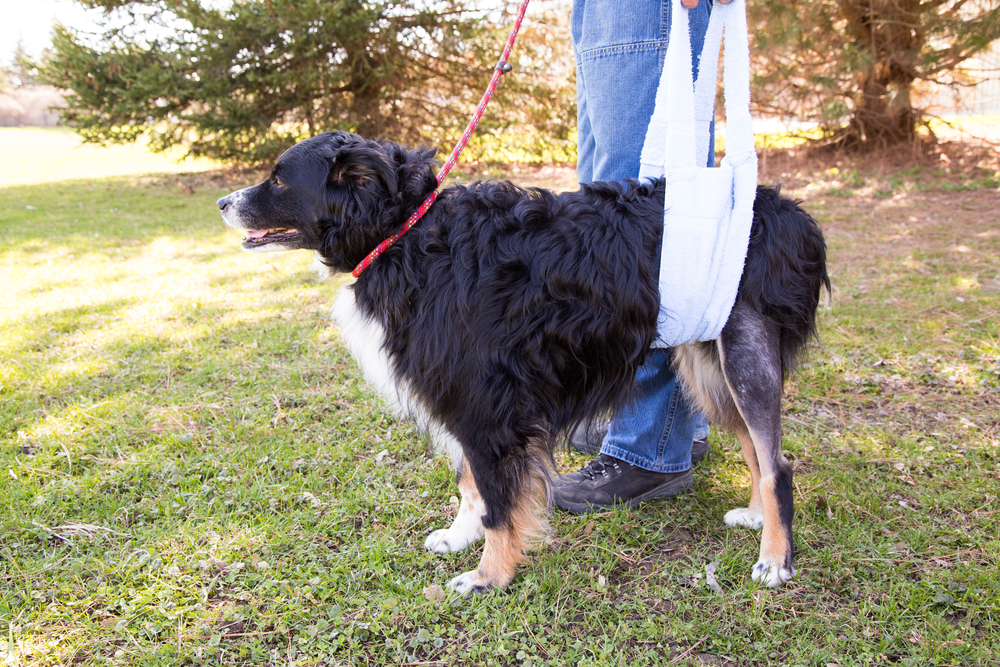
707, 211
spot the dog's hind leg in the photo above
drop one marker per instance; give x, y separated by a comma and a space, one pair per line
750, 356
700, 368
467, 527
751, 516
510, 532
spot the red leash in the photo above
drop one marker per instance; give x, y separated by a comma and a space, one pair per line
502, 68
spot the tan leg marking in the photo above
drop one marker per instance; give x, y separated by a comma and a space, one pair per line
506, 546
763, 511
770, 570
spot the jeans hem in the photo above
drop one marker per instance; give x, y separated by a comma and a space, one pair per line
631, 458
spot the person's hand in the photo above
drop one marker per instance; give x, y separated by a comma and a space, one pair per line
691, 4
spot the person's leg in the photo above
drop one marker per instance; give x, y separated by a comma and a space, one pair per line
584, 133
653, 432
619, 49
646, 453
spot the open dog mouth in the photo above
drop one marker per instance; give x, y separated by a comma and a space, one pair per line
256, 238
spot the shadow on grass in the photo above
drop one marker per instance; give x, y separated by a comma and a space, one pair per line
249, 501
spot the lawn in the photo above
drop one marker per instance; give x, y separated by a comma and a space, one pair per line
196, 472
49, 154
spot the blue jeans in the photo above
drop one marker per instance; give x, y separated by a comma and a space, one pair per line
619, 46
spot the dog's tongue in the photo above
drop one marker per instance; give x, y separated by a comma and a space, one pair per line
256, 233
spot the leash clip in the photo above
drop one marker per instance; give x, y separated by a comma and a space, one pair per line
504, 66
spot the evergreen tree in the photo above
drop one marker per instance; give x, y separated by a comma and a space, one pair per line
242, 82
853, 64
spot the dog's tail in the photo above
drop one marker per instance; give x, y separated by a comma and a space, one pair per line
785, 270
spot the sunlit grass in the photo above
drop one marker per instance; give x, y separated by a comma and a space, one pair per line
974, 125
191, 473
773, 140
46, 154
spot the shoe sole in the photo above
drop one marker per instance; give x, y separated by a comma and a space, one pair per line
670, 489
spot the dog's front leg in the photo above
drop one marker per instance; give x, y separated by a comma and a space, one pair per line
503, 552
518, 518
467, 527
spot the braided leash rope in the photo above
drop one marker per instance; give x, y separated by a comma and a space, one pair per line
501, 68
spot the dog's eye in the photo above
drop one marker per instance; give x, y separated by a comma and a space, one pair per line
277, 181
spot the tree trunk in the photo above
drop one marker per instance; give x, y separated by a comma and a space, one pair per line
887, 32
883, 114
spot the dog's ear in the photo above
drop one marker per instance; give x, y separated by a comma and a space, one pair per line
417, 171
359, 163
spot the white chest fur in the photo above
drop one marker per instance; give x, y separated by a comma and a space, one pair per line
365, 339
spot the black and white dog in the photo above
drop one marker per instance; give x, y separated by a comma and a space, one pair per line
507, 315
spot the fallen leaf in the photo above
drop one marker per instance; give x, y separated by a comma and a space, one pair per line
311, 499
710, 580
434, 593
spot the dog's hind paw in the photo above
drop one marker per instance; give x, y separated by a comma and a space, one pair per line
771, 575
744, 517
447, 540
470, 582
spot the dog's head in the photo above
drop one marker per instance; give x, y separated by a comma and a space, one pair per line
335, 193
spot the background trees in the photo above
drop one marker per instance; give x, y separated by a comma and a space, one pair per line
23, 99
242, 82
853, 65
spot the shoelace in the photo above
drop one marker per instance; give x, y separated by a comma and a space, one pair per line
600, 465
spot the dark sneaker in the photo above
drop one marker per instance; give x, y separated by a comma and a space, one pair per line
607, 481
589, 436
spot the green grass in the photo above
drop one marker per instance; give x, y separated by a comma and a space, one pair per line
50, 154
192, 470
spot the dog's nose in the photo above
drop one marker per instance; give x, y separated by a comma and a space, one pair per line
223, 202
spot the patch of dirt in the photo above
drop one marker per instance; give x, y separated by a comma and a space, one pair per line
674, 548
662, 605
677, 542
235, 627
955, 160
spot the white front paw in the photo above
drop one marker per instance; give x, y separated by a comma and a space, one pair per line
447, 540
744, 517
469, 582
443, 542
771, 575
